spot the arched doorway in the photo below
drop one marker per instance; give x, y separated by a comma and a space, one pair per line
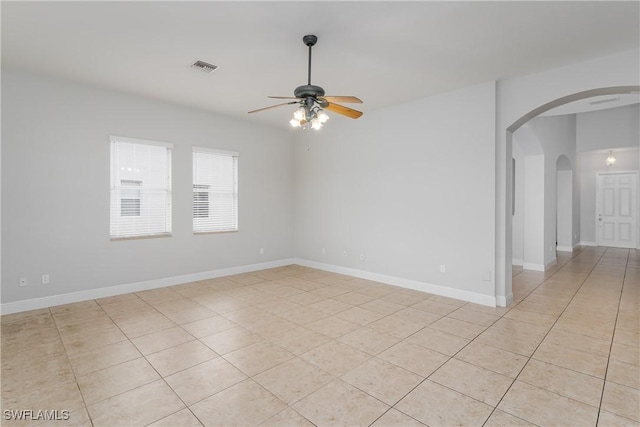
504, 290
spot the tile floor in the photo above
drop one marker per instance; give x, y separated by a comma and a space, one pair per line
294, 346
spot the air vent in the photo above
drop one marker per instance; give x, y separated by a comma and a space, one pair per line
604, 101
204, 66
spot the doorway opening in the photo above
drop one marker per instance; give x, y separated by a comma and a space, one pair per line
506, 299
616, 209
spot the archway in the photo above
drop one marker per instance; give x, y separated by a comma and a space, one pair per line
505, 263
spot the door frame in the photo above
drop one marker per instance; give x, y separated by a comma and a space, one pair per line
637, 207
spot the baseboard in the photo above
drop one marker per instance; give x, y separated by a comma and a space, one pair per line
109, 291
539, 267
587, 244
474, 297
551, 263
517, 261
504, 301
533, 266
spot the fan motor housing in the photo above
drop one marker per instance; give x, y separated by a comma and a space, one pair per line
308, 90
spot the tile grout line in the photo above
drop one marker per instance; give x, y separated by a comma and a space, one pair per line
547, 333
604, 383
462, 348
443, 363
75, 376
143, 356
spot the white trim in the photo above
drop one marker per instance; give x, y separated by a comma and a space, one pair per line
474, 297
565, 248
551, 263
532, 266
516, 261
504, 301
587, 244
539, 267
215, 150
109, 291
126, 140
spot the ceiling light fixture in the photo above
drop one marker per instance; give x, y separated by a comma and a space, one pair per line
610, 160
306, 116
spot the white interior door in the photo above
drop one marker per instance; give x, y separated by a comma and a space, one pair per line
616, 209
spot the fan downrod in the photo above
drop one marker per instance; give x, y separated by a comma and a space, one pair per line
309, 90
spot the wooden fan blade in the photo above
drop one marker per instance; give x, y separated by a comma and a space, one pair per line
283, 97
345, 111
347, 99
273, 106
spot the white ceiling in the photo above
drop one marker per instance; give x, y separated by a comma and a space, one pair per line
383, 52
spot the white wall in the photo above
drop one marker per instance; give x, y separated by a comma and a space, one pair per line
564, 204
411, 187
55, 189
608, 129
534, 212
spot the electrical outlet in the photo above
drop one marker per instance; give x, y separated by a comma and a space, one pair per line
324, 251
45, 279
23, 281
361, 257
443, 269
261, 251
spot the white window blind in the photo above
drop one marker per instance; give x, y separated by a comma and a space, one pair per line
140, 188
215, 190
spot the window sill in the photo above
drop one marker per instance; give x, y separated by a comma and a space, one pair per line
153, 236
196, 233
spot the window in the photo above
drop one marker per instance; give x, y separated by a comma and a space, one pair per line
130, 197
140, 188
215, 190
201, 201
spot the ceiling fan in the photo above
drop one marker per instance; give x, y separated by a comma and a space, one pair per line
313, 101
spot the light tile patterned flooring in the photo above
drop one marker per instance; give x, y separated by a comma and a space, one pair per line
296, 346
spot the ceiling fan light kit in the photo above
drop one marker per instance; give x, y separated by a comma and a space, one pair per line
313, 102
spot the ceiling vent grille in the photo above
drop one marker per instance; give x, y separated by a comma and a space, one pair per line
204, 66
604, 101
